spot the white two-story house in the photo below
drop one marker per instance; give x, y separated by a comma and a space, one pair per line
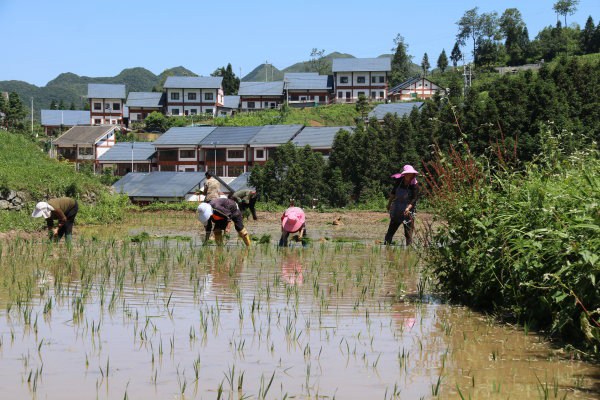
355, 76
107, 103
192, 95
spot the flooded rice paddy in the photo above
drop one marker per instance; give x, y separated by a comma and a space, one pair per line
167, 318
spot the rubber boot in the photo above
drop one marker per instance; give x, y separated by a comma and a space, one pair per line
245, 236
219, 237
206, 238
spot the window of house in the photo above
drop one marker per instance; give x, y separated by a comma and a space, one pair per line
360, 94
340, 95
237, 154
175, 111
373, 79
167, 168
167, 155
382, 79
85, 151
348, 95
251, 104
209, 111
343, 79
360, 79
191, 96
193, 111
97, 121
97, 106
381, 94
235, 170
174, 95
187, 154
266, 104
259, 153
189, 169
186, 112
209, 96
116, 106
373, 95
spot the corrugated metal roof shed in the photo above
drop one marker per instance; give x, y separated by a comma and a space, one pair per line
189, 135
241, 182
400, 109
405, 84
106, 91
159, 184
230, 135
380, 64
319, 137
261, 88
142, 151
193, 82
306, 81
144, 99
81, 135
275, 135
231, 102
65, 117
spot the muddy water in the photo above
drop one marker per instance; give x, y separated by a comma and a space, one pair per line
167, 319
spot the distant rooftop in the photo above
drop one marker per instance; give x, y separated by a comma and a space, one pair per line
275, 135
400, 109
144, 99
189, 135
320, 137
261, 88
380, 64
306, 81
106, 91
159, 184
65, 117
241, 182
193, 82
83, 135
231, 101
142, 151
230, 135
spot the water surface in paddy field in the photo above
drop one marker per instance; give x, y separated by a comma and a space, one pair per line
163, 317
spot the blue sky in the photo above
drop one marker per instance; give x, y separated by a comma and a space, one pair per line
42, 38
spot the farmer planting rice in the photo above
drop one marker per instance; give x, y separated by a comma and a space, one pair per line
212, 187
246, 200
402, 204
64, 210
293, 221
218, 213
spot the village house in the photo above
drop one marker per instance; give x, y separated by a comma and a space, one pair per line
353, 77
226, 150
260, 95
319, 138
398, 109
141, 104
263, 144
144, 188
178, 149
127, 157
56, 121
231, 104
84, 144
304, 89
107, 103
414, 88
192, 95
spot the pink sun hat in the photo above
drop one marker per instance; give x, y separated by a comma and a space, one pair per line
407, 169
293, 219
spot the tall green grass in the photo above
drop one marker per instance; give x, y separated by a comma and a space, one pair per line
524, 243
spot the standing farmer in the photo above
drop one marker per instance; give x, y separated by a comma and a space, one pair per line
402, 204
246, 199
218, 213
64, 210
212, 187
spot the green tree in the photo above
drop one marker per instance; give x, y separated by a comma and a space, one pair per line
362, 106
72, 107
53, 105
231, 83
401, 62
318, 62
514, 31
469, 27
156, 122
15, 111
61, 105
456, 54
442, 61
565, 7
425, 64
587, 37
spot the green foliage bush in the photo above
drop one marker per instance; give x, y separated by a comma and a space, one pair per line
523, 243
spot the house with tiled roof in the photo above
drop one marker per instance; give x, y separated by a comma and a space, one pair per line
417, 87
84, 144
260, 95
126, 157
141, 104
178, 149
107, 103
307, 88
268, 138
192, 95
355, 76
319, 138
60, 120
226, 150
231, 104
144, 188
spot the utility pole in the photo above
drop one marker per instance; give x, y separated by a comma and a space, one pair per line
32, 117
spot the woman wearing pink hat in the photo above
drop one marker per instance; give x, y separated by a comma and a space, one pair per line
402, 204
293, 220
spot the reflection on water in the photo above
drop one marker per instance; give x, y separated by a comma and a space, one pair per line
167, 319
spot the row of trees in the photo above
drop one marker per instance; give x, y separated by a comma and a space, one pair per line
510, 109
12, 111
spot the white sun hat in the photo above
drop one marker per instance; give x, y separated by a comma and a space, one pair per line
204, 213
42, 209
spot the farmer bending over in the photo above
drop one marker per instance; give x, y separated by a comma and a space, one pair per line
293, 221
218, 213
64, 210
246, 200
